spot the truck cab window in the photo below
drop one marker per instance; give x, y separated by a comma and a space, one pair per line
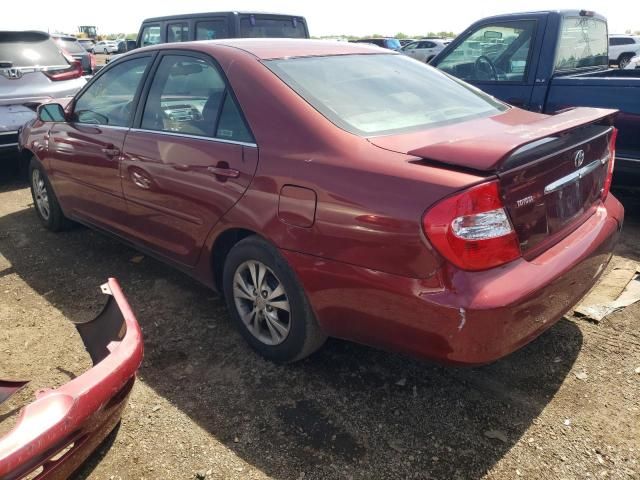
497, 52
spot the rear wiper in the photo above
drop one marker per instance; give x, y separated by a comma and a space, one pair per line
6, 64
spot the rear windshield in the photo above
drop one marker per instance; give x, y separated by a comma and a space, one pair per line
382, 94
583, 43
29, 49
70, 45
256, 26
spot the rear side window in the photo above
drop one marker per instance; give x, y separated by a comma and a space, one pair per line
257, 26
212, 29
621, 41
109, 99
582, 43
29, 49
188, 96
231, 125
150, 35
177, 32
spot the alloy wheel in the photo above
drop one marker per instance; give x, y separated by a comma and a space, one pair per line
40, 193
262, 302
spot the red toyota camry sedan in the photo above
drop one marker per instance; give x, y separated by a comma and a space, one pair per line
334, 189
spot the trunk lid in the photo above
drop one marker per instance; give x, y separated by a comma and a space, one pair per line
551, 169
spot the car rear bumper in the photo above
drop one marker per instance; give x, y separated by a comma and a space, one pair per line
461, 317
76, 417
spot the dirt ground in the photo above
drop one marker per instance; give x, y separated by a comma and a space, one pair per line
205, 406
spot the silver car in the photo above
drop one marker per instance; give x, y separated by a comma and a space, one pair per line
33, 70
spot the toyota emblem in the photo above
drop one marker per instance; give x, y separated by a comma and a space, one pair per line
578, 158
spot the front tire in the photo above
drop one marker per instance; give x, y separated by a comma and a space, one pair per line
45, 200
267, 303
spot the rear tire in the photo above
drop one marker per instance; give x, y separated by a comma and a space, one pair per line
268, 304
45, 200
624, 60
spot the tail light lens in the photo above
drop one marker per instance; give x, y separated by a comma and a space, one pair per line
610, 164
93, 62
74, 71
472, 229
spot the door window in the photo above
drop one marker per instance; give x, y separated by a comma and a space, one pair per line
212, 29
411, 46
497, 52
177, 32
150, 35
109, 99
186, 96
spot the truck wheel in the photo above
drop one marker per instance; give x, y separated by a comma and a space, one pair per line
267, 303
624, 60
45, 201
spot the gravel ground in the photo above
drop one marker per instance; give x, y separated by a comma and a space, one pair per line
566, 406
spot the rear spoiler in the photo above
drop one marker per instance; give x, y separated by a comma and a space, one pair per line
489, 149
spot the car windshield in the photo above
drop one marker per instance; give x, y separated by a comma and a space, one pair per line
29, 49
583, 43
70, 45
382, 94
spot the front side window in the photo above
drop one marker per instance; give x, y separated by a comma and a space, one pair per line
382, 93
109, 99
498, 52
186, 96
212, 29
150, 35
177, 32
411, 46
582, 43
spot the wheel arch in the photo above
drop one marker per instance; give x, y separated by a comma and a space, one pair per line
221, 247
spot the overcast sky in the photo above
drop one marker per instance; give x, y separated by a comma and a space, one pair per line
325, 17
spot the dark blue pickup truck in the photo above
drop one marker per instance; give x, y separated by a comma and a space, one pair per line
548, 62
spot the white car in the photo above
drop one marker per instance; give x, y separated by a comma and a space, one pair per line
622, 48
106, 46
425, 49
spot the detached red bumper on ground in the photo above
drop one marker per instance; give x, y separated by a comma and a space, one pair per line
60, 429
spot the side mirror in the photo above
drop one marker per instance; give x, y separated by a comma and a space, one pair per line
51, 112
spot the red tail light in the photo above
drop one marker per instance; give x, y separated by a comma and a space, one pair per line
74, 71
610, 164
93, 62
472, 229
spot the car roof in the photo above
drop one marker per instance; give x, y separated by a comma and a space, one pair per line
186, 16
274, 48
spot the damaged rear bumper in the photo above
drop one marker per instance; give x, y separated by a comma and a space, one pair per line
60, 429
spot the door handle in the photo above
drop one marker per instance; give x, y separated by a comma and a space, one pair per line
224, 172
111, 151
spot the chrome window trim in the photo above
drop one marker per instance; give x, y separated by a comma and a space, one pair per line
578, 174
12, 132
101, 125
8, 145
196, 137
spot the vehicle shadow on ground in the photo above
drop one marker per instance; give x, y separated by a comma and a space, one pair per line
348, 411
